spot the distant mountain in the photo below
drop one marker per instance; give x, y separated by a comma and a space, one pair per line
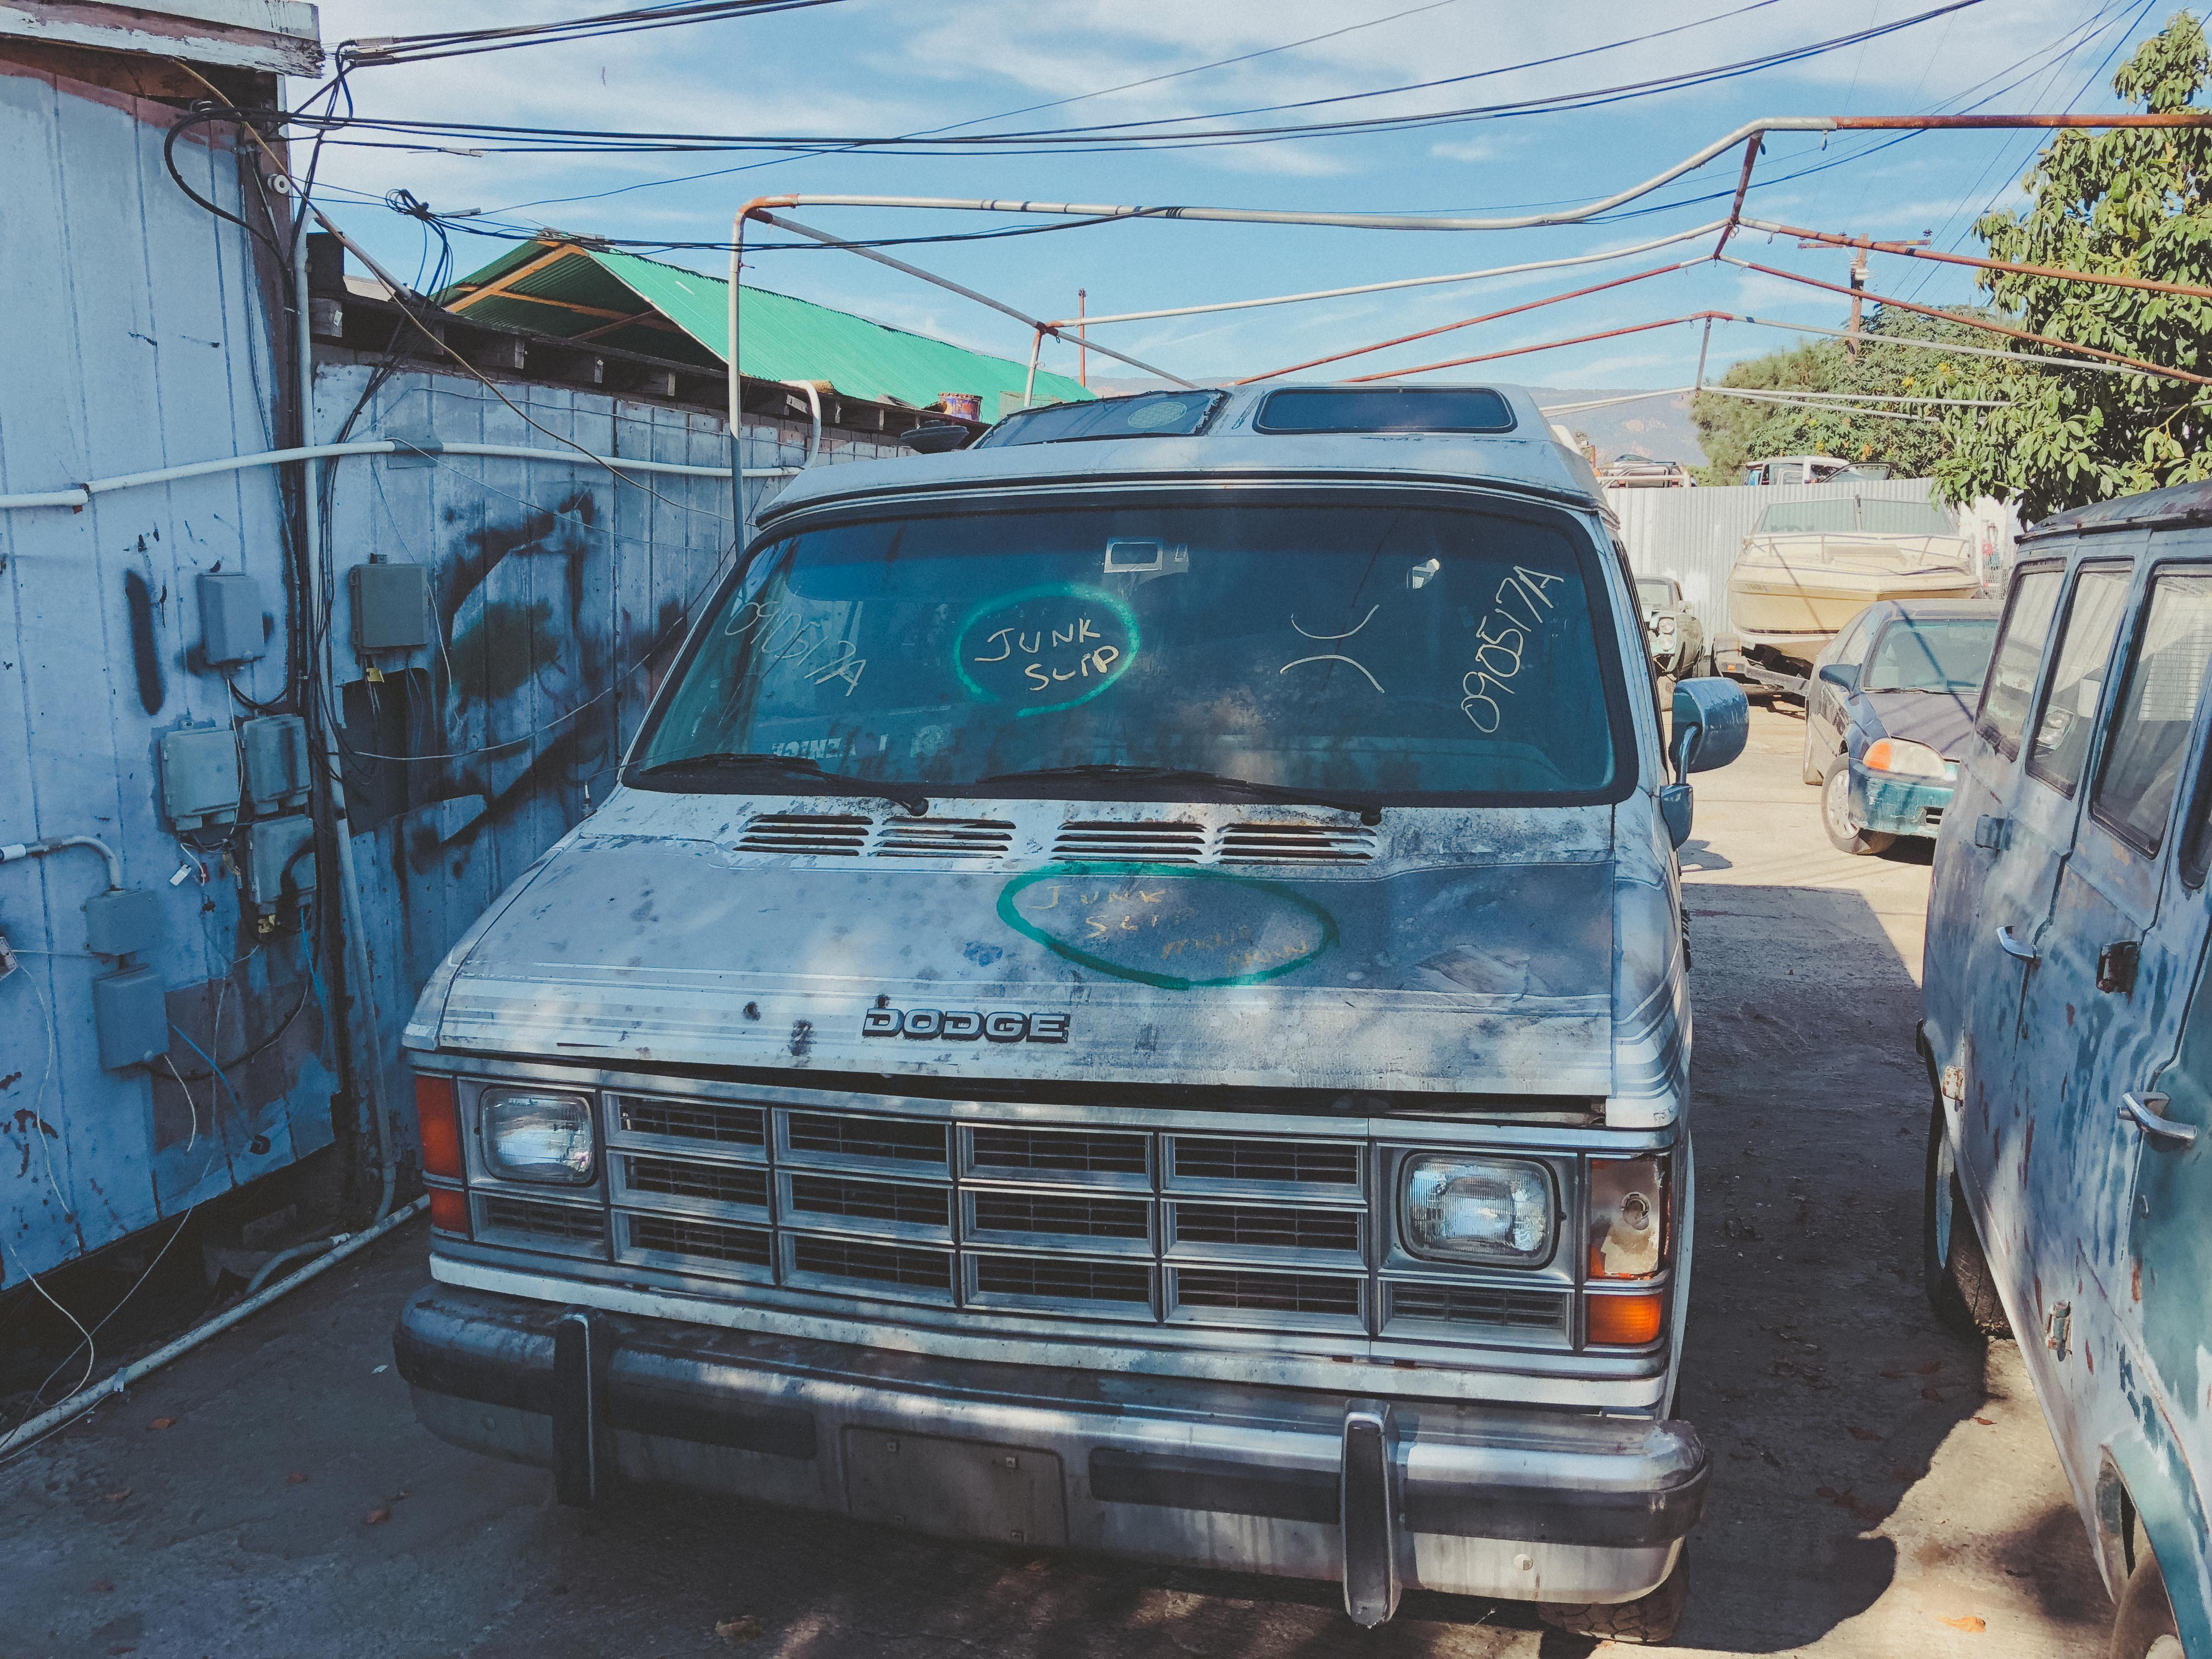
1657, 428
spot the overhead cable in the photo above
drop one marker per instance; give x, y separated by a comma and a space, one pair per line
370, 52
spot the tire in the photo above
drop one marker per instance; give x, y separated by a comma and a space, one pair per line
2144, 1626
1955, 1270
1647, 1621
1836, 814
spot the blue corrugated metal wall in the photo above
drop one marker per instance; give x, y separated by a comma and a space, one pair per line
139, 335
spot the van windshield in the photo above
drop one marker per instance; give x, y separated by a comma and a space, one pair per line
1386, 652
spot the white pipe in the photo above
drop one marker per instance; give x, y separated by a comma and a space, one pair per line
813, 432
1608, 403
2093, 365
85, 1399
1348, 221
52, 844
999, 306
1029, 386
1403, 281
81, 494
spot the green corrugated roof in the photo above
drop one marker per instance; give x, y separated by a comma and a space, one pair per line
645, 305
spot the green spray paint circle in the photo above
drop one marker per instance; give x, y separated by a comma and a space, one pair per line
1274, 899
1077, 590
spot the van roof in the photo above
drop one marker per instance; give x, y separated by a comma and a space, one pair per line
1529, 458
2177, 504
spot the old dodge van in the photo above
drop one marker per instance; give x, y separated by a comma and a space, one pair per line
1131, 997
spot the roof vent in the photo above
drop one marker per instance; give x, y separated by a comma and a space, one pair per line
944, 838
820, 833
1116, 842
1295, 843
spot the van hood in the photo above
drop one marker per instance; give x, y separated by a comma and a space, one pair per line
1465, 952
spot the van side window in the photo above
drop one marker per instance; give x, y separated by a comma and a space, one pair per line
2197, 835
2148, 742
2020, 649
2068, 717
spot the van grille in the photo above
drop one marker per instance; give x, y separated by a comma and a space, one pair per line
715, 1183
858, 1202
1117, 843
694, 1119
556, 1225
835, 834
673, 1236
1482, 1306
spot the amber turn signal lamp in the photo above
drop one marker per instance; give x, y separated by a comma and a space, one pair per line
440, 1116
1624, 1322
449, 1210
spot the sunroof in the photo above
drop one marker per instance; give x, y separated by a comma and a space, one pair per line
1148, 415
1385, 408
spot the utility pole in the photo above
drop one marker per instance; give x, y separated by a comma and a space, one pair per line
1858, 287
1082, 336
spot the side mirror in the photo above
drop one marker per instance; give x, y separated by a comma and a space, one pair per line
1712, 722
1842, 675
1676, 805
937, 437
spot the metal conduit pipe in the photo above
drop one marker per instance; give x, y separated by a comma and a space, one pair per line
85, 1399
361, 988
52, 844
78, 495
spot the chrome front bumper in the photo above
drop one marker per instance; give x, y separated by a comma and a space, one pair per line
1540, 1505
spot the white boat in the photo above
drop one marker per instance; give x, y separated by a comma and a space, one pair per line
1809, 567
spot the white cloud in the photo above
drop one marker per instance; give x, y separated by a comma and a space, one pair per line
1465, 149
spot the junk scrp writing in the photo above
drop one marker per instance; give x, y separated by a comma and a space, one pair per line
784, 636
1088, 658
1524, 594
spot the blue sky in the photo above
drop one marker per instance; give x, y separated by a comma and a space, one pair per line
898, 66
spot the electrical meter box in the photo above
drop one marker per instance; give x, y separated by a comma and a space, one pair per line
199, 776
280, 862
276, 750
391, 605
231, 631
122, 921
130, 1019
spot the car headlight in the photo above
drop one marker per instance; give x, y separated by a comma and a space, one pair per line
535, 1134
1490, 1210
1906, 759
1627, 1217
1666, 627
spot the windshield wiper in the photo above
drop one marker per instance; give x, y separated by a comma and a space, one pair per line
1113, 771
787, 765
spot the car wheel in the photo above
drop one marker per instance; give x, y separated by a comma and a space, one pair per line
1955, 1270
1836, 813
2144, 1627
1647, 1621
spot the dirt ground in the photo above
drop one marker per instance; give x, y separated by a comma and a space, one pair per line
1879, 1489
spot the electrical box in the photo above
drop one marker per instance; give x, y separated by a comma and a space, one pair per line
130, 1019
199, 776
391, 605
276, 750
122, 921
231, 631
280, 862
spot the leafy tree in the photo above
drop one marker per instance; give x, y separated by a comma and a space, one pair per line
1736, 431
2132, 201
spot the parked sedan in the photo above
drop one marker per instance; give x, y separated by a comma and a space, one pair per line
1672, 630
1889, 711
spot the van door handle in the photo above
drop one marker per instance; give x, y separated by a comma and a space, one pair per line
2010, 944
2147, 1113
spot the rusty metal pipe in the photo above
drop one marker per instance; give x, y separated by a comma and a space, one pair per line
1906, 250
1547, 345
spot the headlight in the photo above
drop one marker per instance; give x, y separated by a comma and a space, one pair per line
1479, 1209
1666, 627
531, 1134
1906, 759
1627, 1217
